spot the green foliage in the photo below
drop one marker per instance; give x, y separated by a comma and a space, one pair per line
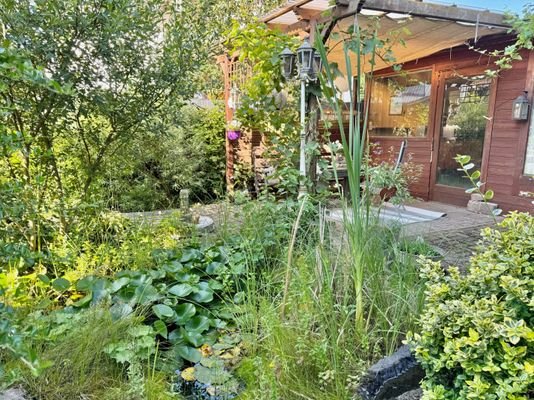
474, 177
183, 295
77, 344
268, 105
476, 339
58, 143
184, 150
523, 27
314, 350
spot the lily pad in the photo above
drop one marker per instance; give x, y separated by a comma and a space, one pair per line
184, 312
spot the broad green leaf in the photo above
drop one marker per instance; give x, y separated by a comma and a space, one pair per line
189, 353
488, 195
200, 323
204, 293
60, 284
181, 290
118, 284
193, 337
184, 312
84, 300
161, 328
190, 254
44, 278
100, 289
85, 284
146, 294
163, 311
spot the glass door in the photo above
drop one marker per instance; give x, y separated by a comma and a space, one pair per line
463, 126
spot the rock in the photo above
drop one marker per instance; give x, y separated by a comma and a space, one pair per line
481, 207
391, 376
411, 395
13, 394
477, 197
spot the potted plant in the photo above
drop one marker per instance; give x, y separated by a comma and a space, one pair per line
233, 130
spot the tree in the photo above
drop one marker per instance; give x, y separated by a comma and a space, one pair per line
123, 59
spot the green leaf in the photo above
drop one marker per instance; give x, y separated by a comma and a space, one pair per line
84, 300
188, 353
184, 312
190, 254
215, 268
475, 175
44, 278
204, 293
118, 284
161, 328
469, 166
146, 294
488, 195
85, 284
199, 323
181, 290
193, 337
61, 284
163, 311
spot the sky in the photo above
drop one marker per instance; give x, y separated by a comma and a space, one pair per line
498, 5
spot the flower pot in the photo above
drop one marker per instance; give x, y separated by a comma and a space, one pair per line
387, 193
233, 134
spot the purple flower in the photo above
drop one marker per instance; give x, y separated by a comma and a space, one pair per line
233, 135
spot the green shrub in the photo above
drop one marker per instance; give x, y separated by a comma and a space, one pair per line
186, 151
476, 339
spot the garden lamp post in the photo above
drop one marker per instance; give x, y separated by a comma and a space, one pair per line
306, 68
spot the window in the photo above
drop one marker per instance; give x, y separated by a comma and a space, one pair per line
529, 159
400, 105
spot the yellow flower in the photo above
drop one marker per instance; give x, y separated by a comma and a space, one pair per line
188, 374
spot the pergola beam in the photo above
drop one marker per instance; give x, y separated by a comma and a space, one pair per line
346, 8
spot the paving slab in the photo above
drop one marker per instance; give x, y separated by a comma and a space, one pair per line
456, 234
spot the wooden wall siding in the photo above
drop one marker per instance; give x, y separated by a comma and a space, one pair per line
419, 151
506, 139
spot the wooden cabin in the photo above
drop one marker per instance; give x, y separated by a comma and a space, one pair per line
442, 103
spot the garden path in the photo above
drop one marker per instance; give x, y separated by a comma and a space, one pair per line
456, 234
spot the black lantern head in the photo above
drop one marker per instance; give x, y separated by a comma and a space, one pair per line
305, 59
521, 107
287, 62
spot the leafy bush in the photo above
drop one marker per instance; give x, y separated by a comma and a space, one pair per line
476, 339
184, 151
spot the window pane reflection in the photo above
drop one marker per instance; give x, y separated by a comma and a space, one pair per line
400, 105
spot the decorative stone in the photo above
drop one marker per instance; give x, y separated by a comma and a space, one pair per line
481, 207
391, 376
477, 197
13, 394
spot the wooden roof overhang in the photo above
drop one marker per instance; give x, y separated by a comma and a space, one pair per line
430, 27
